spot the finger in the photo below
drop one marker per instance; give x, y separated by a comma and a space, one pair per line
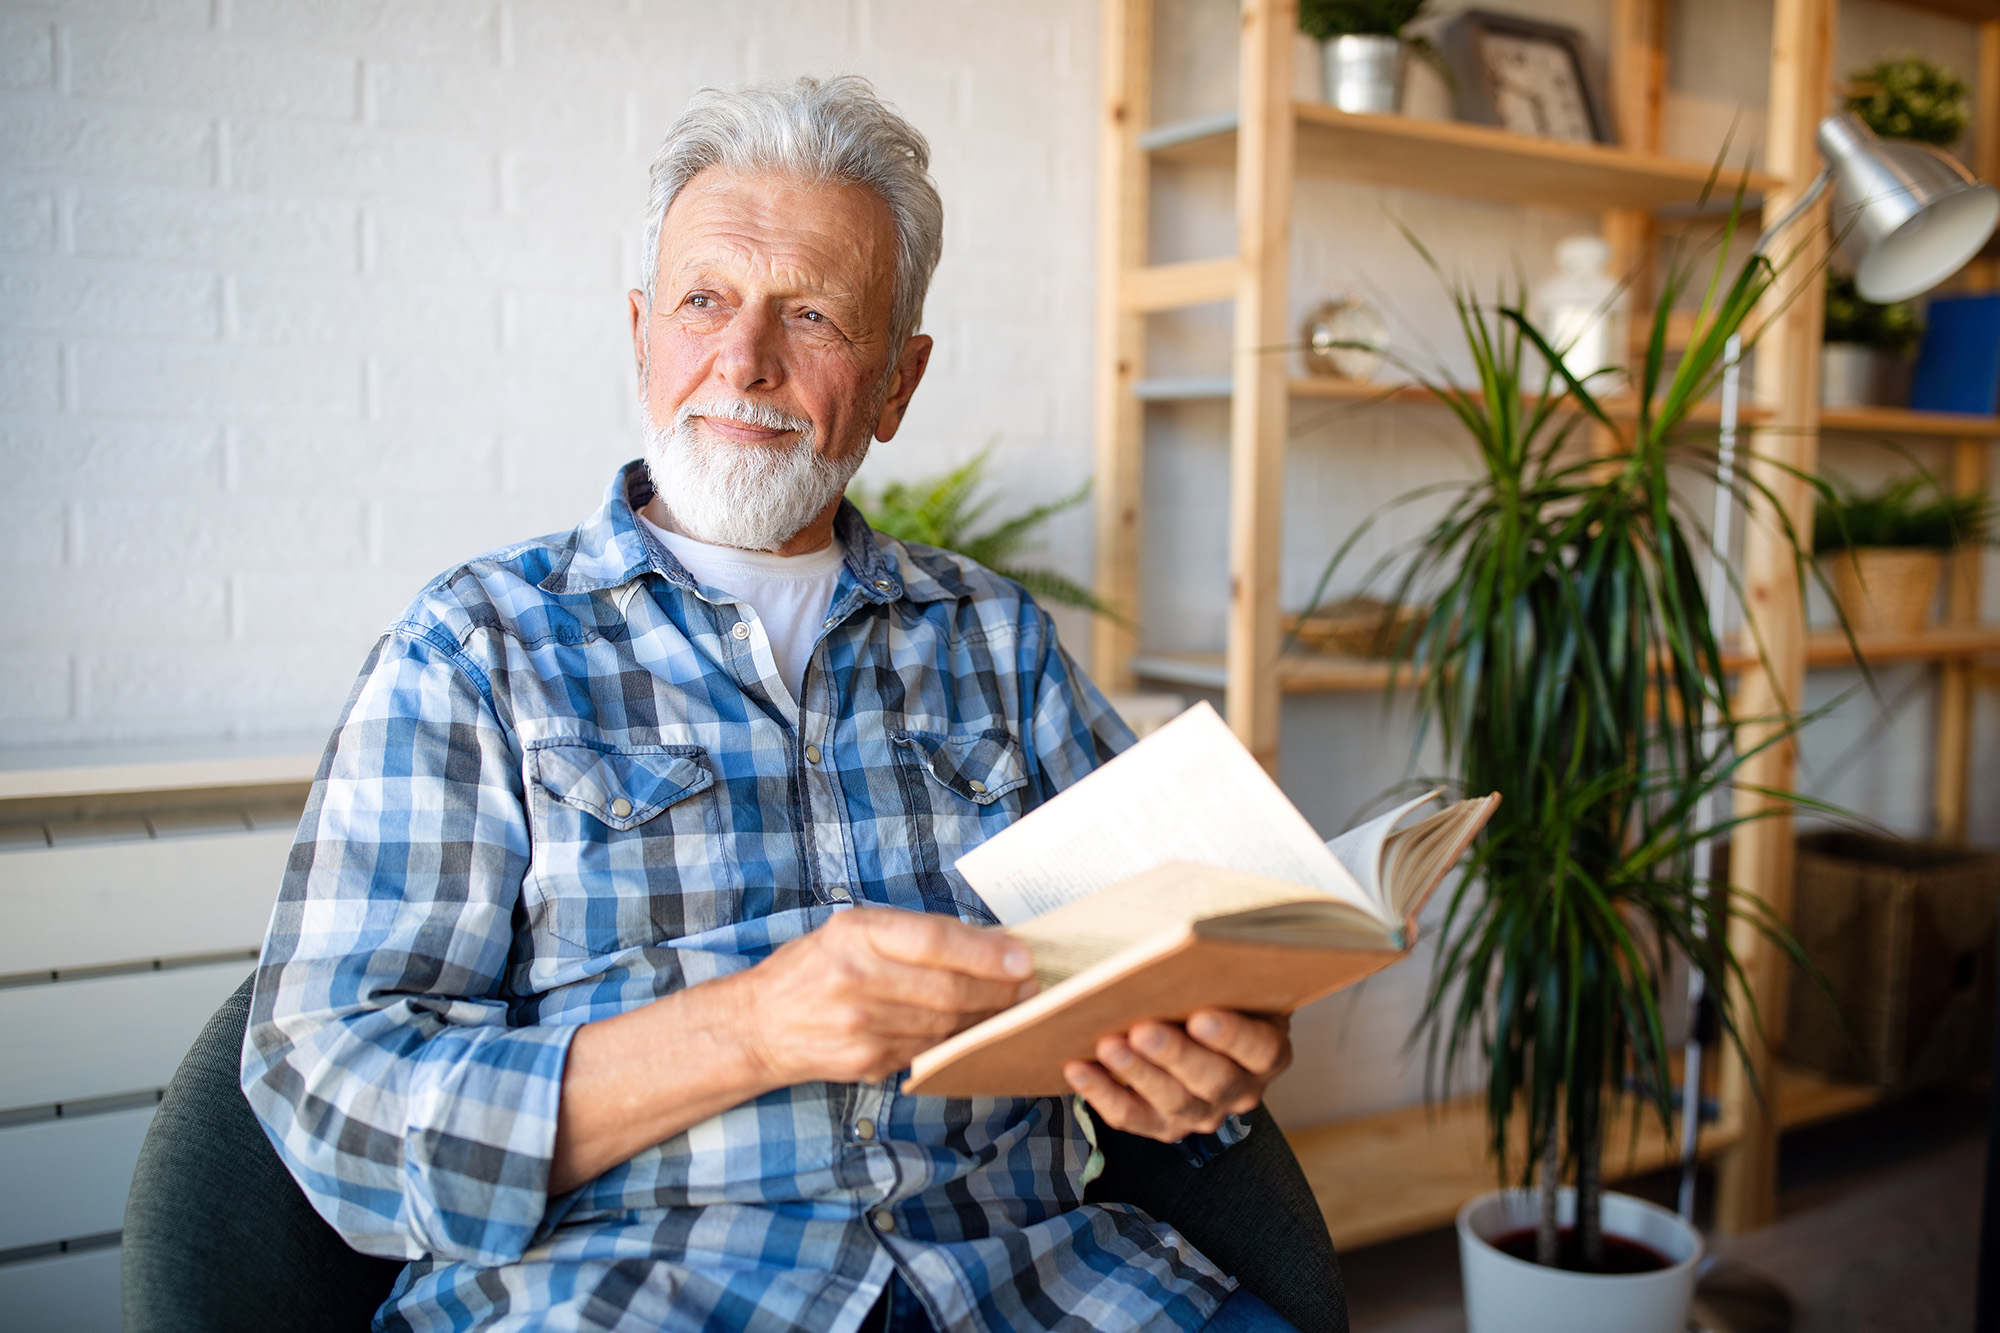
917, 1023
1113, 1103
935, 988
1260, 1045
1172, 1099
927, 940
1209, 1075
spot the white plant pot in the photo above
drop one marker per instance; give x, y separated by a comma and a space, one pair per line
1847, 375
1365, 74
1508, 1295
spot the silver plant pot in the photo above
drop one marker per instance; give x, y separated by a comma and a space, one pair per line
1365, 74
1847, 375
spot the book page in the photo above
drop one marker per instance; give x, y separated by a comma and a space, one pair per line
1418, 857
1360, 848
1166, 901
1189, 792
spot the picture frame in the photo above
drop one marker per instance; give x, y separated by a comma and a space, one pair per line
1526, 75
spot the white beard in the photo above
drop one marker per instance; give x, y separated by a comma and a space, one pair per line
750, 496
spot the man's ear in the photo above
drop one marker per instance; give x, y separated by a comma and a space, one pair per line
909, 373
637, 300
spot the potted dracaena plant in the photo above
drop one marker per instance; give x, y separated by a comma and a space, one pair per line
1566, 660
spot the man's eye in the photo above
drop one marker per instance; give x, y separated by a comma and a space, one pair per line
701, 300
814, 316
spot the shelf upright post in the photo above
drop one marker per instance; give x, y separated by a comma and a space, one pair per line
1952, 788
1638, 85
1125, 82
1787, 383
1984, 274
1258, 407
1955, 679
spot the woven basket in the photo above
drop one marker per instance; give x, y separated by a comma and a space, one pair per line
1354, 627
1892, 590
1903, 933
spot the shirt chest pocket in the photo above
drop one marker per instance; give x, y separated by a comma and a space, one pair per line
961, 789
623, 851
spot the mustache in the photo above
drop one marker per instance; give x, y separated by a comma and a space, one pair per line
761, 415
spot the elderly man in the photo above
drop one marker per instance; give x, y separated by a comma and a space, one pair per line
625, 889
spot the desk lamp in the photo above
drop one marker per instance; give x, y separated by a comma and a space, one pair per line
1908, 217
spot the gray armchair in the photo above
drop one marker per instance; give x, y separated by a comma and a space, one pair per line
218, 1238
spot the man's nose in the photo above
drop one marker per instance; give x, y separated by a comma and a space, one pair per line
751, 354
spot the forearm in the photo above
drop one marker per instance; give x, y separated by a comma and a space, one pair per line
642, 1077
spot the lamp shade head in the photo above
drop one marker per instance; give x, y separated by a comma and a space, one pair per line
1907, 215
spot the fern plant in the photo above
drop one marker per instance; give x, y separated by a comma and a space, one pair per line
945, 511
1914, 513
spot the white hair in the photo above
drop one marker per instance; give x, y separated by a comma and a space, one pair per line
755, 497
819, 132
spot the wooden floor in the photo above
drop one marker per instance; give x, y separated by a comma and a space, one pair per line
1404, 1171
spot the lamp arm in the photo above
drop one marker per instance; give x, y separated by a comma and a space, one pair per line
1805, 201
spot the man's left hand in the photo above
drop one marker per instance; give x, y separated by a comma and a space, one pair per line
1166, 1081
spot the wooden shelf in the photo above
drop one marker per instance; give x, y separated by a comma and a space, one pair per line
1444, 156
1849, 420
1937, 644
1399, 1172
1204, 388
1325, 673
1972, 11
1904, 421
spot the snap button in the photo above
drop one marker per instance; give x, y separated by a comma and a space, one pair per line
884, 584
829, 623
621, 808
885, 1221
812, 754
976, 785
740, 630
864, 1129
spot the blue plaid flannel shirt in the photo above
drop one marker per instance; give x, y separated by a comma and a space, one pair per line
563, 787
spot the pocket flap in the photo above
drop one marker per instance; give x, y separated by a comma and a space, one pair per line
622, 788
981, 766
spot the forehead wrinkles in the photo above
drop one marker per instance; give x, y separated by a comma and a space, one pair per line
791, 262
835, 240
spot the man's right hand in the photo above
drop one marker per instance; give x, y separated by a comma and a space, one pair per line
855, 1000
851, 1002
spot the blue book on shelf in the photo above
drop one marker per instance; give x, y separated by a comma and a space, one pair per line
1958, 369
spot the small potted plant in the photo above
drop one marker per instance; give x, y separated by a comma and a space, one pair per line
1867, 347
1885, 551
1364, 49
1907, 97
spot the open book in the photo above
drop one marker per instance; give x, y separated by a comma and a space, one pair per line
1178, 877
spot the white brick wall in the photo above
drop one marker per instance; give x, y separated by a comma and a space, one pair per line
302, 301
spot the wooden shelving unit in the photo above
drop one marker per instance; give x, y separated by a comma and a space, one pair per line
1386, 1175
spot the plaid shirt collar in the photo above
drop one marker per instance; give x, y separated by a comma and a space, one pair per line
611, 548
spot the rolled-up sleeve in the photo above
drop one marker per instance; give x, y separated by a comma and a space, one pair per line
380, 1058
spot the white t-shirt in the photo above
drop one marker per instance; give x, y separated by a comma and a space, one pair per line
788, 595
